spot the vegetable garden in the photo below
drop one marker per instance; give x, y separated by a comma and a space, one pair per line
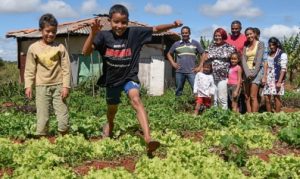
216, 144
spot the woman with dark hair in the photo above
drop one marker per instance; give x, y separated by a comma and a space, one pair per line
275, 69
219, 54
252, 66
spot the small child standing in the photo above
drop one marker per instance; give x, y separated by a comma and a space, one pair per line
204, 87
234, 80
48, 68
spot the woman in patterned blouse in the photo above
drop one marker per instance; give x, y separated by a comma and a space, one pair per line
219, 54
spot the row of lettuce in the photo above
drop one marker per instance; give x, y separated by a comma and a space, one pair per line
87, 115
224, 151
184, 158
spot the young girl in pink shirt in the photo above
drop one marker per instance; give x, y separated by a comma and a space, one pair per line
234, 80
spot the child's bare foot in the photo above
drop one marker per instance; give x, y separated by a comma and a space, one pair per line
106, 131
152, 145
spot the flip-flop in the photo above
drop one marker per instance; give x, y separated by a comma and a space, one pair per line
152, 146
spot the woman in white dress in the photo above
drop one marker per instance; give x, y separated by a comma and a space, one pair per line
275, 67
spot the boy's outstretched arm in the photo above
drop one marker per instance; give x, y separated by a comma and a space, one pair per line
88, 44
165, 27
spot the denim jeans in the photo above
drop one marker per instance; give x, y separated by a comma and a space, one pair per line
180, 80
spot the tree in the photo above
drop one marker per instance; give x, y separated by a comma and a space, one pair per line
291, 46
204, 42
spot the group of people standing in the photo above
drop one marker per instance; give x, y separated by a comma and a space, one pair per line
234, 69
48, 68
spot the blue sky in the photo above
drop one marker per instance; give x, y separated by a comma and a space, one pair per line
273, 17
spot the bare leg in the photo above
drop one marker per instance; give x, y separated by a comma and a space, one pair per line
141, 114
268, 103
111, 113
277, 103
247, 97
142, 117
197, 107
234, 105
253, 96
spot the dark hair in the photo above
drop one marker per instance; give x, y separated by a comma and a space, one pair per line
275, 41
47, 19
250, 28
186, 27
236, 22
118, 8
239, 56
257, 31
222, 32
207, 63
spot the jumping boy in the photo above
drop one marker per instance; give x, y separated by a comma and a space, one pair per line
48, 68
120, 48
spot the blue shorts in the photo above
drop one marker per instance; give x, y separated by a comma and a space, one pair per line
113, 94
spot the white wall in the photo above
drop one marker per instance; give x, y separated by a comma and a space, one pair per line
155, 72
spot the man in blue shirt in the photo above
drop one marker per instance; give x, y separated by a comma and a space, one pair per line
186, 51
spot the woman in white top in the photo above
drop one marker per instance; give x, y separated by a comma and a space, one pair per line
275, 66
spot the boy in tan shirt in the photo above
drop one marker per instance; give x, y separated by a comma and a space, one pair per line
48, 68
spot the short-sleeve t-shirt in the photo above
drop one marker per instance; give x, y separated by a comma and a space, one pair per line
121, 54
237, 42
233, 74
186, 53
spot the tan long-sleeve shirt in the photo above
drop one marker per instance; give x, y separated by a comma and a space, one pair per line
47, 65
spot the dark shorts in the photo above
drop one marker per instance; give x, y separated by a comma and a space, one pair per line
113, 94
204, 100
230, 90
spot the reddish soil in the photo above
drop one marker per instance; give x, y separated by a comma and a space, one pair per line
275, 130
8, 171
195, 136
8, 104
127, 162
51, 139
289, 109
95, 139
280, 148
289, 87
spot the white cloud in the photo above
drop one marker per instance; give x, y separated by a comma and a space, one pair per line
59, 8
207, 32
89, 6
279, 31
162, 9
8, 49
17, 6
239, 8
128, 5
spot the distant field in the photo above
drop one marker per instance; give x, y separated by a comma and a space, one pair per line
9, 72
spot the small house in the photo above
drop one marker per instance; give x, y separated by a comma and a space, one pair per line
155, 72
